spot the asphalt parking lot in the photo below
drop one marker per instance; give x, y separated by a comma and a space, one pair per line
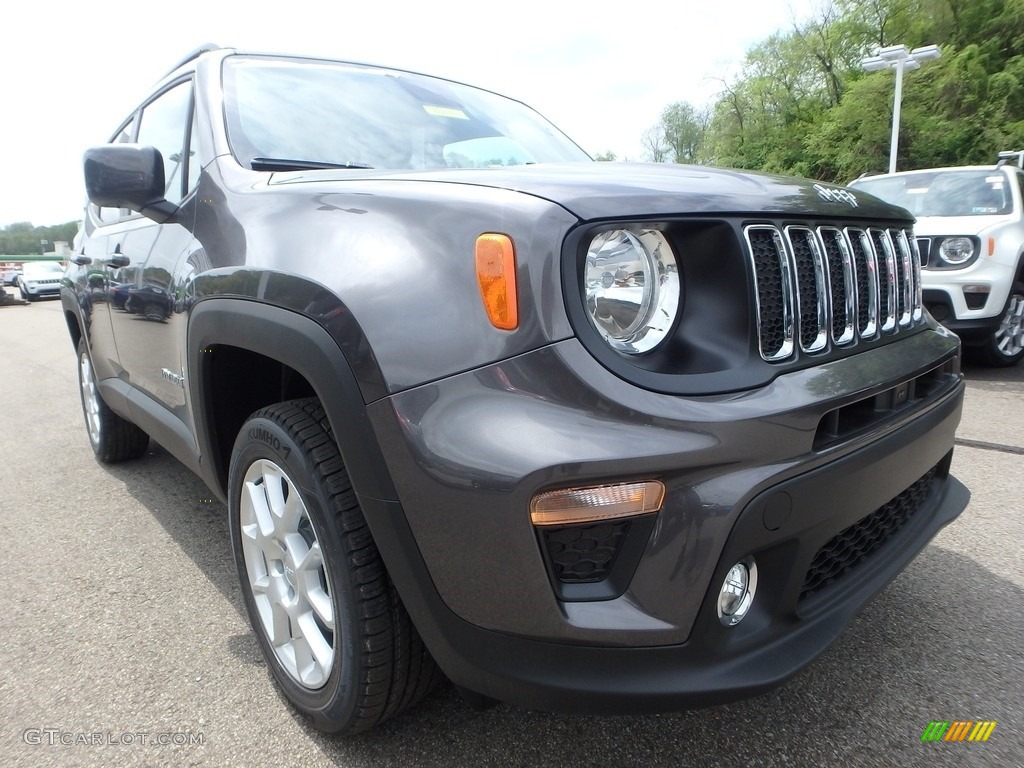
123, 638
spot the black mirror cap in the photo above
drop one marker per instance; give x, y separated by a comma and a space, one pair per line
127, 176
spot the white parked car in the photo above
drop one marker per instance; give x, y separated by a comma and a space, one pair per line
40, 278
970, 231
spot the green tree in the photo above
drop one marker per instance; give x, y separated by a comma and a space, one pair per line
802, 104
684, 127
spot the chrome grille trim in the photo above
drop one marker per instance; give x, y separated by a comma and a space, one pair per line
842, 278
867, 282
770, 264
811, 288
828, 286
887, 277
906, 282
918, 290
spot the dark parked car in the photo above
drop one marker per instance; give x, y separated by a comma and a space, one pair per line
151, 301
580, 436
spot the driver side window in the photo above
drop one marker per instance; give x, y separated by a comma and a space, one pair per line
165, 121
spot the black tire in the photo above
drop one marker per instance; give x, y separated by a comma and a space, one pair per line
1006, 347
378, 666
113, 439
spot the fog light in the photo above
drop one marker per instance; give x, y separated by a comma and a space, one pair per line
737, 592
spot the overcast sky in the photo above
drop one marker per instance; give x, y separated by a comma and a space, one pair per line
601, 72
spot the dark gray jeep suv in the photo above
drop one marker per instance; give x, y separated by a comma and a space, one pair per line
580, 436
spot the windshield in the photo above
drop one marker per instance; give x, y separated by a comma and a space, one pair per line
945, 193
289, 114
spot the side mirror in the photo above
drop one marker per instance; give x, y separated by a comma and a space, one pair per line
128, 176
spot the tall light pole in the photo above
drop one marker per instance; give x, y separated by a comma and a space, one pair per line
899, 58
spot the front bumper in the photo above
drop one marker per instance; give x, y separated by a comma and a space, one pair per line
468, 453
969, 301
42, 289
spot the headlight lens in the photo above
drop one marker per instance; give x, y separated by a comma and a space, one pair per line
631, 285
956, 250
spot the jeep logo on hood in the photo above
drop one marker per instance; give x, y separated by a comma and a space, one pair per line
833, 195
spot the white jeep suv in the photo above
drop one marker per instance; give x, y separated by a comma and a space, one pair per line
970, 231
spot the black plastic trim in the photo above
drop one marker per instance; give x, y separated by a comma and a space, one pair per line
620, 571
152, 418
973, 331
303, 345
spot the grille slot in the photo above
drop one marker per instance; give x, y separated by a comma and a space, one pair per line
774, 292
854, 544
810, 288
831, 285
924, 248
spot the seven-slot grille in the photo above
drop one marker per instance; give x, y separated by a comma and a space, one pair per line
828, 285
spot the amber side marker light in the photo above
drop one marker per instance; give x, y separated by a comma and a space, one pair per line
496, 274
571, 506
991, 246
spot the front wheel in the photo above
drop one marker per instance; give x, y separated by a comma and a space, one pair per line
112, 438
1006, 347
335, 634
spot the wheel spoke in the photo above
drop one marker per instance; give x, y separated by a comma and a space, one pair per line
259, 508
322, 651
285, 568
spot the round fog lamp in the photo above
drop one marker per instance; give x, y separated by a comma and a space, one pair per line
737, 592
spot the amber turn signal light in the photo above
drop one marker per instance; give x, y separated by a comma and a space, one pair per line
496, 275
570, 506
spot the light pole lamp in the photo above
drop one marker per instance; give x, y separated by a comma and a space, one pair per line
899, 58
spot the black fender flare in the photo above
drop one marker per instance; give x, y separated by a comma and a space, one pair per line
305, 346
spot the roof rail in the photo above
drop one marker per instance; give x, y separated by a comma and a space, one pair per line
192, 56
1016, 155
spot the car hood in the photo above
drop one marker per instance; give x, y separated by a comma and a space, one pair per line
955, 225
619, 190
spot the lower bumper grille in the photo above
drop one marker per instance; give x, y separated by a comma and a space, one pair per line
852, 545
584, 553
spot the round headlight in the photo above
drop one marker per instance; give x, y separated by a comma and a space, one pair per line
956, 250
631, 288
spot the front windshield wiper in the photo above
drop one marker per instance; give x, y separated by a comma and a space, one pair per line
279, 164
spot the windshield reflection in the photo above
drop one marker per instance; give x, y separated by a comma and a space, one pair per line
350, 115
945, 193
